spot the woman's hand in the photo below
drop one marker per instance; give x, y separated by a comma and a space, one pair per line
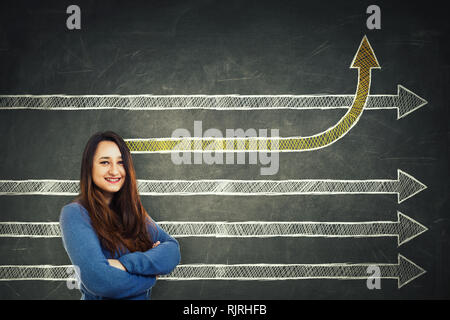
154, 246
116, 264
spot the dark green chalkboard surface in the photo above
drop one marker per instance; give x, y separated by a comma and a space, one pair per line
319, 225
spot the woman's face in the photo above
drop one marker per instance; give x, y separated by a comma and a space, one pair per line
108, 171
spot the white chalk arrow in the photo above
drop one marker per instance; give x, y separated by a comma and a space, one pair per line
404, 271
405, 229
405, 102
405, 187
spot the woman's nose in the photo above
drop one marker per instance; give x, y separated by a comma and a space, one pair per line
113, 169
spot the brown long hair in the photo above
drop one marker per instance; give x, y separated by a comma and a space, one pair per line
124, 222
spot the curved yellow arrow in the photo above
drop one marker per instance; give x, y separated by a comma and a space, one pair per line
364, 60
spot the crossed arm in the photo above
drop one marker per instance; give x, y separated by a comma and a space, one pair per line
161, 259
99, 275
117, 264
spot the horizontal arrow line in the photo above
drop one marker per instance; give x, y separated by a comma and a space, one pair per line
404, 229
405, 101
17, 229
404, 271
405, 187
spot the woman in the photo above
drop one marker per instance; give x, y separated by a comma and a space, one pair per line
116, 247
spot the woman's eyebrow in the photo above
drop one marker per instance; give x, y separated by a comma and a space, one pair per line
108, 158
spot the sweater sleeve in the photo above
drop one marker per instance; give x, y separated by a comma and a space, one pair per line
157, 261
84, 250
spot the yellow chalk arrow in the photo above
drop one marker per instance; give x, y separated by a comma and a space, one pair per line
364, 60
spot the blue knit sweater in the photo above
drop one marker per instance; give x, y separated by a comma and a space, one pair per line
99, 280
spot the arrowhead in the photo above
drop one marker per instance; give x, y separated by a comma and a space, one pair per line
407, 102
365, 57
407, 186
407, 271
408, 228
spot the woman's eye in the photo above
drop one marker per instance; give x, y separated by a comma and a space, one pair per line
107, 162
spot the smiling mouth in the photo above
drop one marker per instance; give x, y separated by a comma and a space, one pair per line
113, 180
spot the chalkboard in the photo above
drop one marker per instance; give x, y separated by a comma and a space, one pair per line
370, 196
